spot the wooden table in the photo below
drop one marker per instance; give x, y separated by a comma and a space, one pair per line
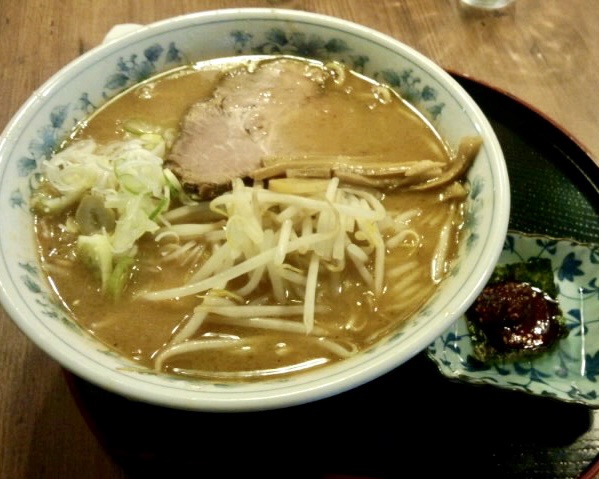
544, 52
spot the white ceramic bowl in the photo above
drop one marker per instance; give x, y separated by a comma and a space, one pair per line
101, 73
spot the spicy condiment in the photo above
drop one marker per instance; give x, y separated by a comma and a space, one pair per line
513, 318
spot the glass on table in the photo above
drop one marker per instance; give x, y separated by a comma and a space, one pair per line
487, 4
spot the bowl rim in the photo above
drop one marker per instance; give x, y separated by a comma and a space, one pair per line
315, 386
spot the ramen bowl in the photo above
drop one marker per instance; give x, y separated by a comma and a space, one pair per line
82, 86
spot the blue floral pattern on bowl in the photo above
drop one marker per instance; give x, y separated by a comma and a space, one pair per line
63, 118
279, 41
571, 370
97, 76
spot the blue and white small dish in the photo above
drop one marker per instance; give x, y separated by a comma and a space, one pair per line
570, 371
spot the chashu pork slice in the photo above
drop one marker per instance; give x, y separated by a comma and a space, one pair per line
227, 135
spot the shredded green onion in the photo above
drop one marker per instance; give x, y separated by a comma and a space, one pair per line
128, 179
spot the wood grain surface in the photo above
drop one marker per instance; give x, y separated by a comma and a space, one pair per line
544, 52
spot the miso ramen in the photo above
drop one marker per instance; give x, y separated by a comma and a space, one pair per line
252, 217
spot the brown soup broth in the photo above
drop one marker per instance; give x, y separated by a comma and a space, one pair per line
348, 120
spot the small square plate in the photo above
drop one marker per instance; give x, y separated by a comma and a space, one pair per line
569, 372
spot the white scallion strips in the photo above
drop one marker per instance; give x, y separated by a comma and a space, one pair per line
290, 241
125, 183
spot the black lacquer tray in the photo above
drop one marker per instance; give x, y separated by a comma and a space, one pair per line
413, 422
